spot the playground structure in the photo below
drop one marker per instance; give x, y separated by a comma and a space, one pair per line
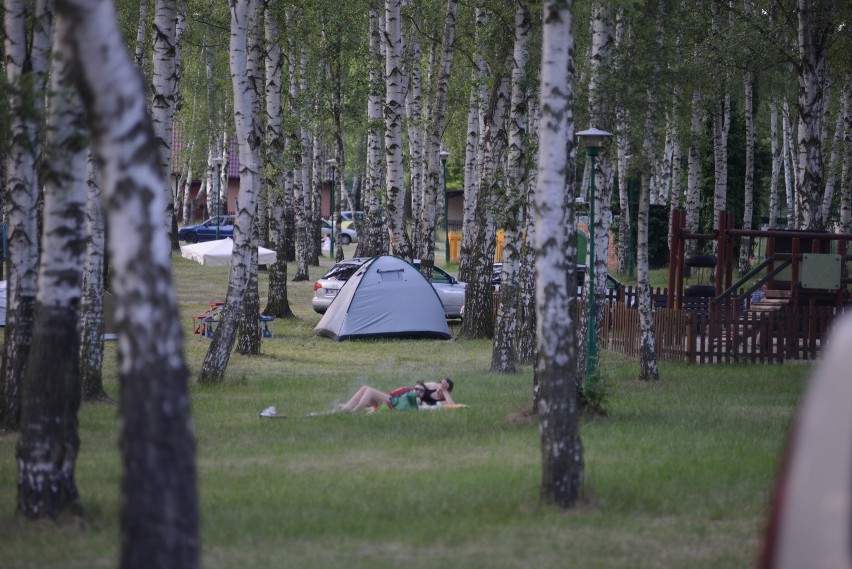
799, 267
807, 287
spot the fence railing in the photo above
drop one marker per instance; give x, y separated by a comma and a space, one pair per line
702, 333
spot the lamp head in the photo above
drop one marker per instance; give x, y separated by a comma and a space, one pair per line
332, 162
444, 155
218, 161
593, 137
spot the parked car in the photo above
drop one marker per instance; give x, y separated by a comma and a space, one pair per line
348, 218
613, 285
347, 235
207, 230
449, 289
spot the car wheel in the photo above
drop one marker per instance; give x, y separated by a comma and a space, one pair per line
345, 239
191, 238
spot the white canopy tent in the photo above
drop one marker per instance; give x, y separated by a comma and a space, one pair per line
219, 253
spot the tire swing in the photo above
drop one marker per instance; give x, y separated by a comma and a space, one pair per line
704, 264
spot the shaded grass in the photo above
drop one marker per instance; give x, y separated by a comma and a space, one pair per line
678, 475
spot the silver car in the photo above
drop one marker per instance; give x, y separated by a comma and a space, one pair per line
347, 235
450, 291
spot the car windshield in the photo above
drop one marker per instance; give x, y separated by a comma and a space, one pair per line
341, 272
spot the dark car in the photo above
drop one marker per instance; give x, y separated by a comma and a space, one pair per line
613, 285
207, 230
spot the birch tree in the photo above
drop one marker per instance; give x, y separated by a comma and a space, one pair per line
164, 93
27, 54
748, 208
141, 35
815, 29
159, 506
478, 322
370, 239
776, 162
556, 368
504, 354
647, 351
92, 304
837, 147
248, 137
432, 187
400, 246
622, 143
277, 303
47, 449
472, 162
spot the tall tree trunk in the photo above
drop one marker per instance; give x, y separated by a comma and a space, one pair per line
26, 70
479, 298
622, 145
159, 505
370, 240
141, 34
748, 207
472, 162
789, 166
601, 117
721, 127
693, 161
414, 123
527, 304
504, 354
432, 187
815, 29
846, 173
277, 304
164, 93
394, 181
647, 350
777, 162
47, 449
556, 368
833, 171
92, 305
248, 137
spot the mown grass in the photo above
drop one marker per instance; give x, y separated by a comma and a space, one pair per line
678, 475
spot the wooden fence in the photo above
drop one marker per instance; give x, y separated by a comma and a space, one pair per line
726, 336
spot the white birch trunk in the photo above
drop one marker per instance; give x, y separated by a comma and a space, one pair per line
815, 26
47, 448
837, 147
777, 162
748, 207
647, 351
92, 304
846, 173
370, 240
432, 175
248, 138
164, 93
556, 367
789, 165
27, 72
400, 246
156, 437
504, 354
141, 34
622, 145
527, 310
473, 162
721, 127
693, 189
414, 122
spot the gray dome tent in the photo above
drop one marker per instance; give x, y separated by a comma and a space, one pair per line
386, 298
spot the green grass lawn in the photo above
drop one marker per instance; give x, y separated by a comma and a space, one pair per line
678, 475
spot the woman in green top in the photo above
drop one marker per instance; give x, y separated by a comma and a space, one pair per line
401, 399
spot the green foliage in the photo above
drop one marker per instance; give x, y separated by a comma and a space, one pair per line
679, 474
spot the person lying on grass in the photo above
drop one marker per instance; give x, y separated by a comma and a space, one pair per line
402, 399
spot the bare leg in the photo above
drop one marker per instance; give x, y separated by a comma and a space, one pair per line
365, 397
349, 405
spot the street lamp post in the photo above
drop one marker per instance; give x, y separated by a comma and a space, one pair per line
444, 155
218, 162
333, 163
592, 139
